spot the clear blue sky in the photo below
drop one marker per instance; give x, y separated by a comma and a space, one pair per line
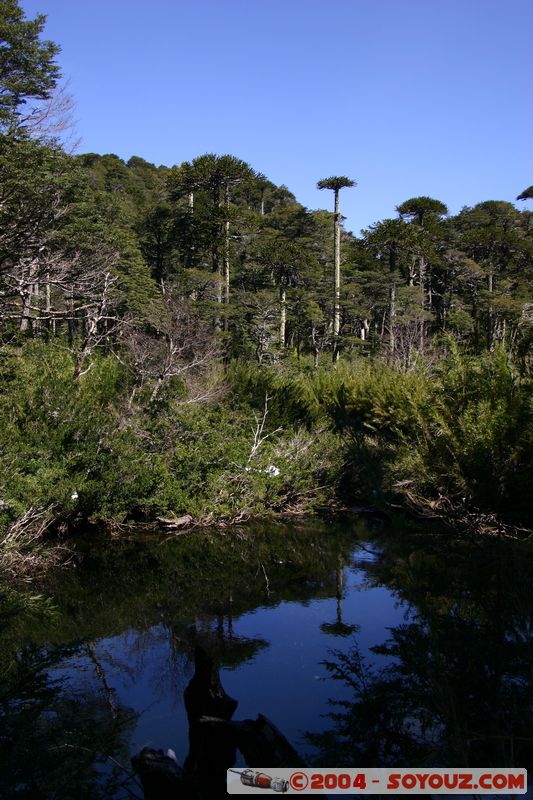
408, 97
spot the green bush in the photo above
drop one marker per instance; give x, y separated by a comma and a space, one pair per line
474, 444
52, 427
459, 437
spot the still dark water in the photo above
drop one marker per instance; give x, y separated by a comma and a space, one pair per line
425, 639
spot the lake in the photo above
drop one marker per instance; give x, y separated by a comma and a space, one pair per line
425, 640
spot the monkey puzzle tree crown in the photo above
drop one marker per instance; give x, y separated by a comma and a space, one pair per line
527, 194
336, 183
421, 207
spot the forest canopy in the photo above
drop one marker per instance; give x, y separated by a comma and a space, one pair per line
147, 313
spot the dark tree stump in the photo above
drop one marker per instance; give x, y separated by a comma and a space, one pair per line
214, 739
205, 695
210, 755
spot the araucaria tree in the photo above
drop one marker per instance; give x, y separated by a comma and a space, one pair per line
135, 299
424, 214
336, 183
527, 194
215, 177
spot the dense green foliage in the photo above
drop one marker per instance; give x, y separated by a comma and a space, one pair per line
458, 438
27, 69
127, 460
166, 338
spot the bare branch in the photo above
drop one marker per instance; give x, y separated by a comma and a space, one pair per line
259, 436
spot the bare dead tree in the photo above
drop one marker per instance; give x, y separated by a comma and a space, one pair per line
52, 118
99, 323
262, 323
320, 338
184, 347
258, 431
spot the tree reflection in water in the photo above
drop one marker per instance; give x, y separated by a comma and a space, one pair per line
339, 627
457, 688
54, 735
126, 624
451, 685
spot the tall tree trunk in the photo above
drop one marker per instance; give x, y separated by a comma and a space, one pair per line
477, 326
226, 245
71, 320
421, 335
50, 323
47, 296
282, 314
37, 321
190, 235
422, 280
226, 255
490, 311
412, 271
315, 346
393, 255
26, 303
392, 319
215, 257
215, 254
89, 327
337, 277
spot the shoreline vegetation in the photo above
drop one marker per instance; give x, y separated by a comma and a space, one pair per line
191, 342
446, 443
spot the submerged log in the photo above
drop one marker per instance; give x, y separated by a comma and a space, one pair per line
261, 743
